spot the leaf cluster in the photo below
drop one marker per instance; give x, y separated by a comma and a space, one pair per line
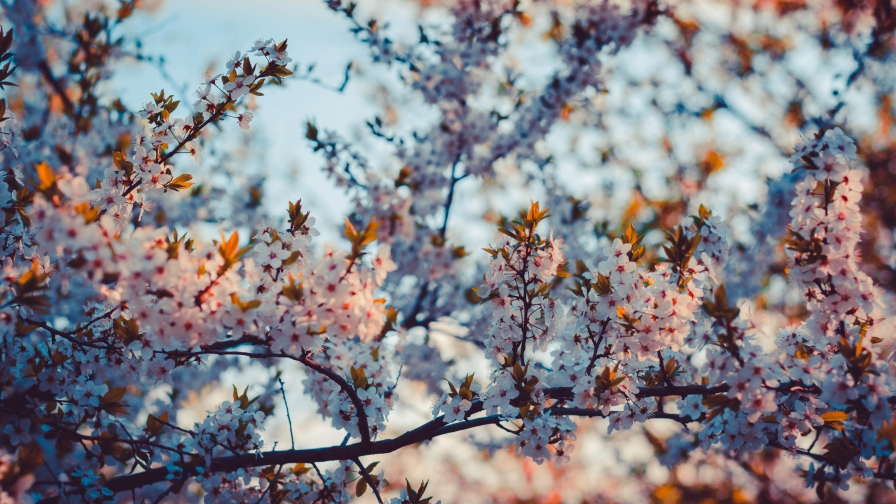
608, 379
680, 250
243, 399
464, 390
28, 289
361, 486
154, 425
524, 384
670, 369
360, 239
6, 71
718, 307
230, 251
292, 290
359, 378
297, 218
728, 337
716, 404
632, 237
808, 250
127, 330
584, 283
416, 496
522, 230
175, 244
121, 163
179, 183
244, 306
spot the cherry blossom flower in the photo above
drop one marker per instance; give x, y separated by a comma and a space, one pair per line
245, 118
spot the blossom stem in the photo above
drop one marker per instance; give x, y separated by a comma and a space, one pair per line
370, 482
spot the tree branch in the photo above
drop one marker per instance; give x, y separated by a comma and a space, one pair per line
363, 426
369, 479
565, 393
425, 432
69, 335
45, 71
292, 438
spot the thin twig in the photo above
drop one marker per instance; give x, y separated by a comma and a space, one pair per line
292, 439
348, 389
166, 492
175, 427
44, 69
369, 479
666, 379
137, 442
270, 485
69, 335
454, 180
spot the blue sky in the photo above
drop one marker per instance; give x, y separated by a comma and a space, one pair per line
196, 35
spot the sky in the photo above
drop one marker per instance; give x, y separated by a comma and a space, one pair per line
196, 35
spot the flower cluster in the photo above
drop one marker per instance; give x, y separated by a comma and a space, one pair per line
524, 320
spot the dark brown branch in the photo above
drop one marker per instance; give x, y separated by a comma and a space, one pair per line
815, 456
454, 180
596, 342
666, 379
226, 344
68, 335
565, 393
308, 456
425, 432
63, 334
292, 438
57, 87
348, 389
132, 442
